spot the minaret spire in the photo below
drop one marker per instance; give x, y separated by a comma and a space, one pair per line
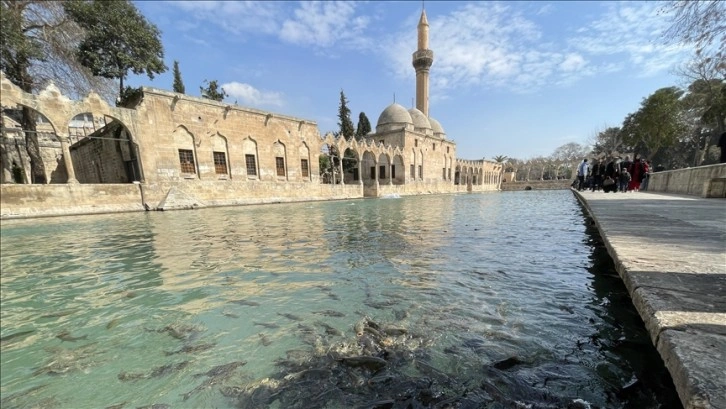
422, 60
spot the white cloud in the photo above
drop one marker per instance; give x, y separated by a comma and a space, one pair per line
492, 44
320, 24
632, 30
249, 95
236, 17
572, 62
323, 24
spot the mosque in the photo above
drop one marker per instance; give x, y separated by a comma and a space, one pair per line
179, 151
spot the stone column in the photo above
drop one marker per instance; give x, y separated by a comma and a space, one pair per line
390, 174
342, 175
65, 147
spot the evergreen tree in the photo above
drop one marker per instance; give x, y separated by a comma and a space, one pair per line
178, 85
118, 39
345, 124
213, 91
364, 126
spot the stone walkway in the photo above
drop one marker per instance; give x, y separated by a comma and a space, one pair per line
670, 250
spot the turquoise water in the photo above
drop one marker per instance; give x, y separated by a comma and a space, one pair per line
481, 300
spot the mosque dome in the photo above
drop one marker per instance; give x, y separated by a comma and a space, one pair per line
438, 130
394, 114
419, 119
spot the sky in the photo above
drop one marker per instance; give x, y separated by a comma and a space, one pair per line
518, 79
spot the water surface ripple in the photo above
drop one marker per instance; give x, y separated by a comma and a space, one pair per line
498, 300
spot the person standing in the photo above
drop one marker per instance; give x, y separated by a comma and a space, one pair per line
722, 145
598, 169
647, 170
636, 173
582, 174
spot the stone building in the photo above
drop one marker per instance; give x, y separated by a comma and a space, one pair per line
183, 151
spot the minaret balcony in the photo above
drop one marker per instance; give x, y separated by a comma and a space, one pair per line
423, 59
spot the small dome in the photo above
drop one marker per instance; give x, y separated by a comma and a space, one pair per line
394, 114
419, 119
436, 126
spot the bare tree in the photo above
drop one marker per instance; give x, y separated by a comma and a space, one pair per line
701, 22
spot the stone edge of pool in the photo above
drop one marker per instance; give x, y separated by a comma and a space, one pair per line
676, 278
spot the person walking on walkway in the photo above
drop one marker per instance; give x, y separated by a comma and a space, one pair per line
624, 180
636, 173
582, 174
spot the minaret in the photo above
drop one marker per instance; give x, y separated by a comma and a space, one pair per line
422, 60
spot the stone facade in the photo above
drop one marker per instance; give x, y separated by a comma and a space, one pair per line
187, 152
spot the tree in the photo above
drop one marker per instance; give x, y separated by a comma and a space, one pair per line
118, 39
213, 91
178, 85
37, 47
657, 124
701, 23
609, 142
345, 124
500, 158
364, 126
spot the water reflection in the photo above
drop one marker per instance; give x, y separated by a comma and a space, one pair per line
479, 300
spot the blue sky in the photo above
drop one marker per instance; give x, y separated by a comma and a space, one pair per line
509, 78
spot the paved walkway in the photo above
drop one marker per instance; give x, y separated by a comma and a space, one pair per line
670, 251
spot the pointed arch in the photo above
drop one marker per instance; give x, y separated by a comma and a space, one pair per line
251, 156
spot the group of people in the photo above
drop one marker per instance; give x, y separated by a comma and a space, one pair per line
617, 175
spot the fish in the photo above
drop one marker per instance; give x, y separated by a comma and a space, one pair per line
370, 362
264, 340
130, 376
330, 330
314, 373
204, 385
290, 316
230, 315
58, 314
380, 404
333, 296
113, 323
222, 370
116, 406
15, 337
66, 336
8, 399
182, 332
394, 331
330, 313
246, 302
164, 370
191, 348
155, 406
268, 325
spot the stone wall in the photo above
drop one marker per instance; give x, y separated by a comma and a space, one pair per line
12, 150
22, 201
102, 160
538, 185
198, 194
689, 181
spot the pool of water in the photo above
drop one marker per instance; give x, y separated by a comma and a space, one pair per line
493, 300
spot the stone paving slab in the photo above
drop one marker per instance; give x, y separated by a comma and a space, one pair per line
670, 251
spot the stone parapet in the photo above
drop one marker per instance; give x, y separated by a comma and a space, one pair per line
689, 181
